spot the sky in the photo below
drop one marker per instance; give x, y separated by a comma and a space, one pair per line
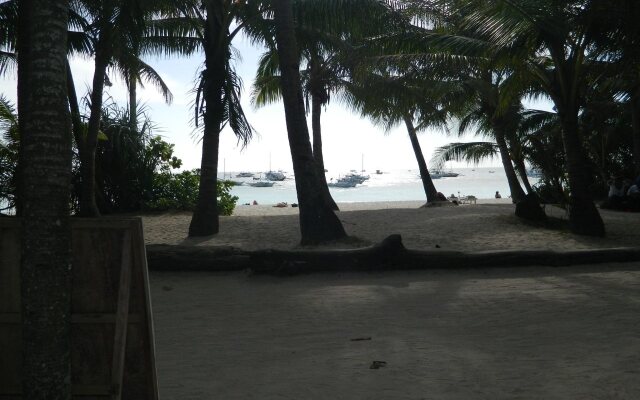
347, 138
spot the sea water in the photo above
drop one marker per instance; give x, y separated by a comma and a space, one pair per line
394, 185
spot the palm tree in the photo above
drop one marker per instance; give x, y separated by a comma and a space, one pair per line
212, 26
116, 32
405, 100
318, 222
45, 159
320, 78
552, 38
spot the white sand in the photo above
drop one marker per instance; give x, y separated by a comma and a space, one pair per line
535, 333
490, 225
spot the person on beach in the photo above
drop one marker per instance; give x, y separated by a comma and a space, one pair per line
498, 196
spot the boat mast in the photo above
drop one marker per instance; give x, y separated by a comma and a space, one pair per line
362, 163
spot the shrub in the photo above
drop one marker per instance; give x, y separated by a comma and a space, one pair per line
180, 192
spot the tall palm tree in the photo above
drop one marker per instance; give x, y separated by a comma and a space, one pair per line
318, 222
320, 78
45, 275
212, 25
552, 38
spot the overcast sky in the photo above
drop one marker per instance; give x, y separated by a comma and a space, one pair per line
346, 136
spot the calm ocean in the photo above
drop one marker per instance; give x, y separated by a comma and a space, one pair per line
394, 185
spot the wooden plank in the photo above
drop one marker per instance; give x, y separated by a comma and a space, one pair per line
113, 352
141, 260
120, 337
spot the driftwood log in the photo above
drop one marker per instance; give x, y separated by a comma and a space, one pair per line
390, 254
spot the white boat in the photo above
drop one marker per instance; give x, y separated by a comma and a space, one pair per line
244, 175
358, 178
274, 176
437, 174
343, 183
261, 184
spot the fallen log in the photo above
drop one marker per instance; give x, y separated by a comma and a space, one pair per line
390, 254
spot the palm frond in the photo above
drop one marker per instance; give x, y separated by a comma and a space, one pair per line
471, 152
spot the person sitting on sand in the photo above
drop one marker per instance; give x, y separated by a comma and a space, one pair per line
498, 196
255, 203
615, 197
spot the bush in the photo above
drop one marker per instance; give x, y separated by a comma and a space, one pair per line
180, 192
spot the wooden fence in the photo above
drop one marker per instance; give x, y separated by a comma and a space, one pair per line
113, 353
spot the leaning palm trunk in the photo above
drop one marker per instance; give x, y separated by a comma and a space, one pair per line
527, 205
316, 110
427, 183
45, 273
318, 222
522, 171
517, 194
205, 219
584, 218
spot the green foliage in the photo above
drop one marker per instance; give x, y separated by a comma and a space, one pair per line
180, 192
127, 161
174, 191
226, 202
9, 144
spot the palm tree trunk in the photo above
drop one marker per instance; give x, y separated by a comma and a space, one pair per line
316, 110
427, 183
74, 107
517, 194
522, 171
205, 219
88, 206
318, 222
584, 218
45, 275
133, 103
635, 125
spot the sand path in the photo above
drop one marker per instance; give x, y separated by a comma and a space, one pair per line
532, 333
535, 333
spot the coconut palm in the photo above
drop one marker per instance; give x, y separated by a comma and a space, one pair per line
212, 26
318, 222
407, 101
45, 273
552, 38
321, 77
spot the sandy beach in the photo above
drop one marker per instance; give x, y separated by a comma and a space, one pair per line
510, 333
488, 225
